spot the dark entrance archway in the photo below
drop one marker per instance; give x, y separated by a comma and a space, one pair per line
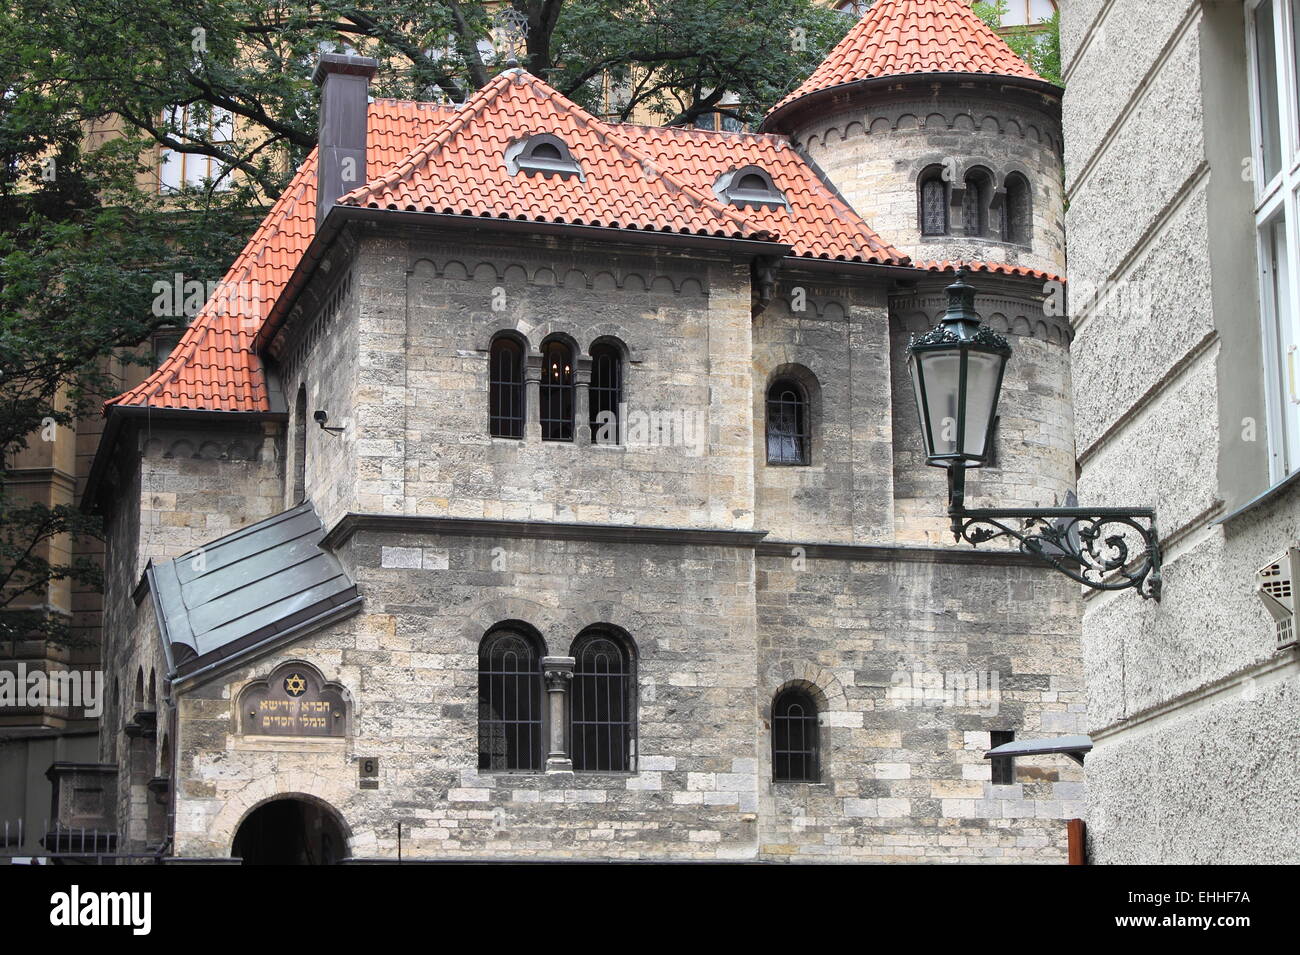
290, 831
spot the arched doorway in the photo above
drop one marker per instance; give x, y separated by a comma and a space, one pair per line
291, 831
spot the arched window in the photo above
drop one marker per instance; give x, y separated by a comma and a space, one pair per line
603, 703
300, 446
1019, 210
605, 393
139, 687
506, 389
509, 701
933, 202
794, 738
557, 391
787, 423
975, 202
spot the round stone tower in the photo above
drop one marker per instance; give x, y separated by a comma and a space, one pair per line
949, 146
941, 138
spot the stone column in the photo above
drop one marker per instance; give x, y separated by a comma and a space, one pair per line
582, 401
558, 672
533, 399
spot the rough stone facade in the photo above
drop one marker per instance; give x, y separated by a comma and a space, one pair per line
732, 579
875, 147
1191, 709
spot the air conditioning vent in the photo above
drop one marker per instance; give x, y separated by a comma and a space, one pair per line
1276, 585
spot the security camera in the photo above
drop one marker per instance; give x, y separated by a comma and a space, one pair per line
320, 417
1275, 585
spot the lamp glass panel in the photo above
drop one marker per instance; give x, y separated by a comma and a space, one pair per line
942, 370
920, 408
982, 373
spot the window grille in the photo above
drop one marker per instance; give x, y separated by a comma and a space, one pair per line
605, 394
794, 738
787, 424
509, 703
557, 392
602, 705
506, 389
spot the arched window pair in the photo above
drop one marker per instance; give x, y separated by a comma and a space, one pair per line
789, 436
1009, 221
795, 753
600, 705
556, 392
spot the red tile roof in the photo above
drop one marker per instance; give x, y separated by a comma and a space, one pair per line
994, 268
451, 160
214, 366
897, 37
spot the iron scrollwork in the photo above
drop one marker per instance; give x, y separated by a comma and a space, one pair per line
1089, 545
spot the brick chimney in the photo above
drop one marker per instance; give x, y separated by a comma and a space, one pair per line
345, 81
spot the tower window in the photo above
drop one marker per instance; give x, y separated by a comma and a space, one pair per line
1019, 210
509, 702
975, 202
506, 389
794, 738
605, 394
787, 423
933, 199
557, 392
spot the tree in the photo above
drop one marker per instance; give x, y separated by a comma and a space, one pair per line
1040, 49
252, 59
81, 243
80, 246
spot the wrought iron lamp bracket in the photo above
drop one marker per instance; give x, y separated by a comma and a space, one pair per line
1073, 540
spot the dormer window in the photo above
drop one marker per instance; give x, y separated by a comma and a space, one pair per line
750, 186
544, 155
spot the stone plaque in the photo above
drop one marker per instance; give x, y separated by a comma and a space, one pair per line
293, 701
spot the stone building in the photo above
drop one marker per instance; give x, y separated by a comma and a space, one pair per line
540, 487
1183, 115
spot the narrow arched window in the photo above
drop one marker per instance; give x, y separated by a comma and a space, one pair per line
794, 738
603, 704
506, 389
787, 423
300, 447
1019, 210
933, 202
557, 391
509, 701
605, 394
975, 203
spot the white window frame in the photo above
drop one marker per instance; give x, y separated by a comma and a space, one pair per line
194, 168
1280, 196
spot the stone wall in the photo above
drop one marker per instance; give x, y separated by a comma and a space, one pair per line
1033, 463
875, 149
1189, 702
914, 655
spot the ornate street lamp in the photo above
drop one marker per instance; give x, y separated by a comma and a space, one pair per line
957, 370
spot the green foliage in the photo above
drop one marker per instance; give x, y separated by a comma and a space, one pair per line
1041, 50
81, 243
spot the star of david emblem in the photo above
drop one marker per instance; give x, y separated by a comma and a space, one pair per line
295, 685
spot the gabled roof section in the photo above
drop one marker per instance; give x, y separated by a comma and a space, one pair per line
214, 367
901, 37
460, 170
815, 222
260, 587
